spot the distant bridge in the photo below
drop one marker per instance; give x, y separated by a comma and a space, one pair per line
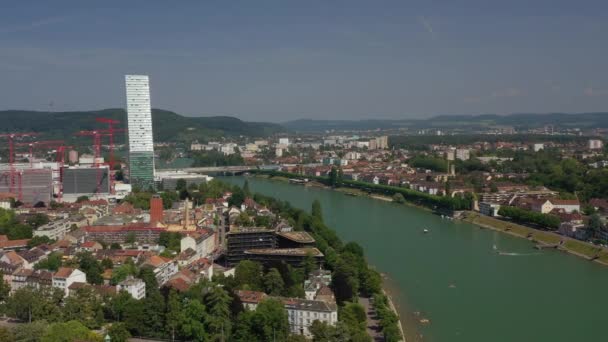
220, 169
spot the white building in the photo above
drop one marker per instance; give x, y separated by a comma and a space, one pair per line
463, 154
569, 206
538, 147
54, 230
301, 313
139, 120
278, 152
134, 286
66, 276
164, 268
284, 141
595, 144
202, 243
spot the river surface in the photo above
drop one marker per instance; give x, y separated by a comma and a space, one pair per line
454, 277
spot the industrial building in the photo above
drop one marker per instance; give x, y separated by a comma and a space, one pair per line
89, 181
139, 119
32, 185
168, 179
120, 234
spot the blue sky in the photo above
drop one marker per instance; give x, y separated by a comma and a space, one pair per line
281, 60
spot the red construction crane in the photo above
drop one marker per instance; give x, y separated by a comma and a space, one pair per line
11, 156
60, 162
44, 143
111, 130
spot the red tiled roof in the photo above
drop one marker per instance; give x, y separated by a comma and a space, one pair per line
555, 201
250, 296
14, 243
63, 272
179, 284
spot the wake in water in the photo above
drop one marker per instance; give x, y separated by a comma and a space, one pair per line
512, 254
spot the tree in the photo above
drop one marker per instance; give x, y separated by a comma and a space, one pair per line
333, 177
37, 220
69, 332
248, 275
107, 263
30, 332
118, 332
6, 334
218, 303
246, 190
91, 267
317, 213
81, 199
174, 313
5, 288
83, 305
39, 240
192, 324
398, 198
180, 184
595, 223
273, 282
269, 321
28, 304
122, 272
51, 263
345, 278
131, 238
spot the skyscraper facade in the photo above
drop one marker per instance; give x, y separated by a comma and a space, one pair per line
139, 121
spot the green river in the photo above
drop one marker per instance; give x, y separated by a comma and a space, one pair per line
453, 277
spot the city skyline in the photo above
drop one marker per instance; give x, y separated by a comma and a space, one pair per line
276, 62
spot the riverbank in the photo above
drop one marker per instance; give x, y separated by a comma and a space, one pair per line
452, 276
569, 245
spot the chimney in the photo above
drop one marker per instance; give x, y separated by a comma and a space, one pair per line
156, 210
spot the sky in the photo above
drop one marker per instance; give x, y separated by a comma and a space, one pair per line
284, 60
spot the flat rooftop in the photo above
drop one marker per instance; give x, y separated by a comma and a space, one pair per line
286, 251
299, 236
245, 230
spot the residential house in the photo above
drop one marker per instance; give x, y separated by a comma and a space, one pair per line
202, 242
301, 313
568, 206
65, 276
134, 286
164, 268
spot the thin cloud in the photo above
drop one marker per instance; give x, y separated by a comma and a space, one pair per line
590, 91
509, 92
33, 25
427, 26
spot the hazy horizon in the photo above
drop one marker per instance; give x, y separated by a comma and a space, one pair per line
277, 62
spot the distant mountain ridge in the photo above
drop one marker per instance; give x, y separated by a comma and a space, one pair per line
519, 120
167, 125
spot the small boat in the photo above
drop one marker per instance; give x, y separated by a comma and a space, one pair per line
425, 230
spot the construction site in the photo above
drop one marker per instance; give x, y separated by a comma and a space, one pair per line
36, 172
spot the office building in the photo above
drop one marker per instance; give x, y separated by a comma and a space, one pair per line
595, 144
241, 239
139, 119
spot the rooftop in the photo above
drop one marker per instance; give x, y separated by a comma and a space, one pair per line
286, 251
244, 230
301, 237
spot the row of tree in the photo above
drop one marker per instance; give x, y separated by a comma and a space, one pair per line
530, 217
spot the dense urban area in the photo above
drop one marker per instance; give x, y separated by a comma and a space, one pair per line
107, 239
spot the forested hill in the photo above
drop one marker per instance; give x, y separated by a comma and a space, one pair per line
519, 121
167, 125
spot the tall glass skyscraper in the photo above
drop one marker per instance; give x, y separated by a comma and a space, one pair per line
139, 121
